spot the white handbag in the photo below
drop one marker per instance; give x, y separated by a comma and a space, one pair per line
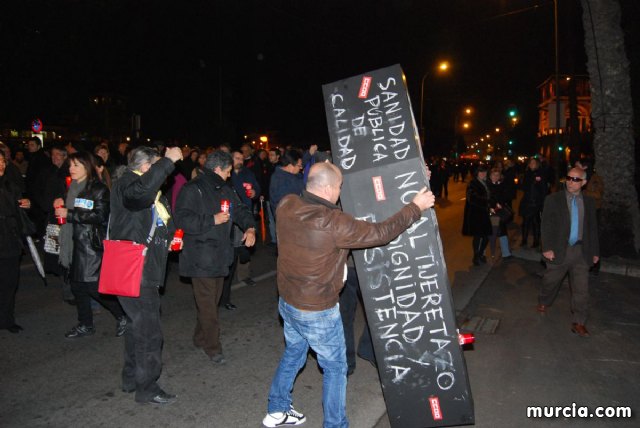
51, 242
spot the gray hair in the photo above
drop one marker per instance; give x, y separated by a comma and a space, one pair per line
217, 159
141, 155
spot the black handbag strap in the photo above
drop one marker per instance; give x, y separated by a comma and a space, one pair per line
154, 224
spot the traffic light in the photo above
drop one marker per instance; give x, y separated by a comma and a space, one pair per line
512, 112
560, 148
511, 142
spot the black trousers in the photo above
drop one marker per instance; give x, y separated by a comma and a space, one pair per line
348, 304
142, 344
9, 277
531, 222
479, 243
84, 292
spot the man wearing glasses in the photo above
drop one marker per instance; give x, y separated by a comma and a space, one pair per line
569, 246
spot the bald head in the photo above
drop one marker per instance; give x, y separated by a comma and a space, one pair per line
323, 174
325, 180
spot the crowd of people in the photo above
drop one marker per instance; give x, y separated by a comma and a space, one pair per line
70, 199
561, 217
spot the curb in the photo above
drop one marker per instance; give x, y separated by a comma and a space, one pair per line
615, 265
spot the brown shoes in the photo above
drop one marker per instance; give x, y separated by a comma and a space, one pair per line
542, 308
580, 330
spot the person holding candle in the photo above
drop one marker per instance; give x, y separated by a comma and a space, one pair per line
83, 215
208, 247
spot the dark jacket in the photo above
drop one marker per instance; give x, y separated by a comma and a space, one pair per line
89, 226
55, 187
498, 195
476, 210
534, 187
556, 226
39, 165
283, 184
245, 176
10, 223
315, 237
208, 248
510, 183
132, 197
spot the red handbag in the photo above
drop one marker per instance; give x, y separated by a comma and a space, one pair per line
122, 265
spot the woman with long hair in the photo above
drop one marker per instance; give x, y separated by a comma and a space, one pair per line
476, 221
501, 214
85, 210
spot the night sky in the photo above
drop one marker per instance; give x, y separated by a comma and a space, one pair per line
264, 62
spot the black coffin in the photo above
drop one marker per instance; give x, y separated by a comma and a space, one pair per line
404, 284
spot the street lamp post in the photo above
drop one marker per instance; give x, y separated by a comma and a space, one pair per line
424, 76
557, 89
442, 67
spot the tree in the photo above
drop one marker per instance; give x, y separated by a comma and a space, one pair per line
612, 119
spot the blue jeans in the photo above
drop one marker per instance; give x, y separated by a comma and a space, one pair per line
323, 332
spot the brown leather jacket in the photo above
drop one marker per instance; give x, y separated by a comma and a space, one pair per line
314, 239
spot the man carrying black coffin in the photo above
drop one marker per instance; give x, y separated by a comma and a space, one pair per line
312, 228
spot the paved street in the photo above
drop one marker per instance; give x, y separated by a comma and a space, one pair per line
520, 358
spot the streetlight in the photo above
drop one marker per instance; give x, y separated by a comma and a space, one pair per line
443, 66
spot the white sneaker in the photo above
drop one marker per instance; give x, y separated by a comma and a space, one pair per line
281, 419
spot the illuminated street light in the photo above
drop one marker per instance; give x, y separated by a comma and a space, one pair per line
497, 130
466, 125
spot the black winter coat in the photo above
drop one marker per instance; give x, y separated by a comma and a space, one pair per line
10, 223
89, 226
132, 197
208, 248
498, 195
476, 210
534, 186
55, 187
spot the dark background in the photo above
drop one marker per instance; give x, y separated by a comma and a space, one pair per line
207, 71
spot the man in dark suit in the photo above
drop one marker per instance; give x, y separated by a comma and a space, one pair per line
569, 245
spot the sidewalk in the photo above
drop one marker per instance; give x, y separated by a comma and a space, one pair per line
530, 359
